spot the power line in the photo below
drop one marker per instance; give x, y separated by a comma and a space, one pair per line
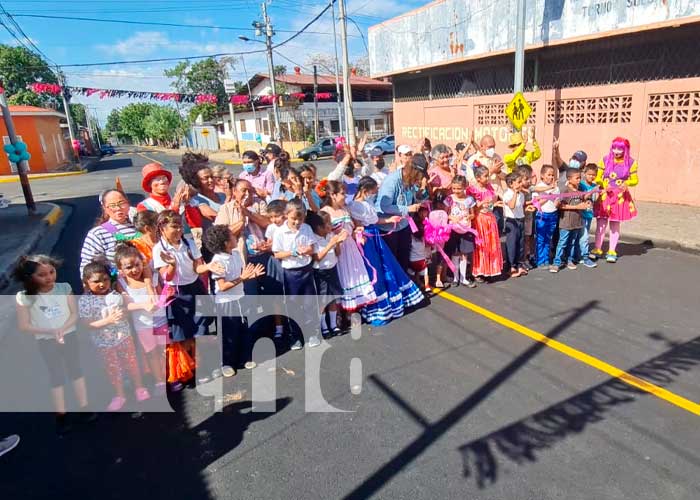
154, 23
21, 31
360, 32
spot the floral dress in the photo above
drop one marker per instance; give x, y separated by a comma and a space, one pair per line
613, 203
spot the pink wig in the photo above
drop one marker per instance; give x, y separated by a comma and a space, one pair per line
621, 170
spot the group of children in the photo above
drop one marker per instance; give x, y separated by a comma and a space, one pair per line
320, 263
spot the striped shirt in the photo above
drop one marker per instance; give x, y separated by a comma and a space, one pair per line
101, 243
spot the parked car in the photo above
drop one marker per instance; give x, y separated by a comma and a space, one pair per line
107, 149
386, 144
323, 147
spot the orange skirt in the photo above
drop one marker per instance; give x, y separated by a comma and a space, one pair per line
488, 259
180, 364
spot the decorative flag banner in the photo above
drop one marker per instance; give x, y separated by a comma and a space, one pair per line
45, 88
238, 100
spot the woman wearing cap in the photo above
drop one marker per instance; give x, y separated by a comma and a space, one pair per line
397, 196
616, 174
113, 225
519, 155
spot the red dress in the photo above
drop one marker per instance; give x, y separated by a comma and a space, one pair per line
488, 259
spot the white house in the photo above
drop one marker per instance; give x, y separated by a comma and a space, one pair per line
372, 108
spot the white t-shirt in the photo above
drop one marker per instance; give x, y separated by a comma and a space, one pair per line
517, 212
270, 231
144, 320
184, 272
233, 265
419, 250
47, 310
331, 259
548, 206
286, 240
380, 175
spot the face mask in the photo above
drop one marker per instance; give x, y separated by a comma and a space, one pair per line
574, 164
249, 167
490, 152
371, 199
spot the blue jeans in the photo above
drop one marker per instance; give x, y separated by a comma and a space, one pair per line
568, 243
546, 224
581, 252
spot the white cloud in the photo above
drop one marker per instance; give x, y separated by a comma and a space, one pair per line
141, 43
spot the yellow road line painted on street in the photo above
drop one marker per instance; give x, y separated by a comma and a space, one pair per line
150, 159
38, 177
594, 362
54, 214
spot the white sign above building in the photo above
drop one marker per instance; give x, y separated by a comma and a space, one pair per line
452, 30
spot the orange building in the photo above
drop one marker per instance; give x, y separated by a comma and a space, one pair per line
40, 129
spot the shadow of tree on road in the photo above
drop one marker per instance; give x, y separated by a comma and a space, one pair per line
522, 441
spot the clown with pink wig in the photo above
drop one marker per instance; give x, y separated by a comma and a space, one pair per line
616, 174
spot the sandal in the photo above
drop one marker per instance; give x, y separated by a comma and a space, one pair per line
142, 394
116, 404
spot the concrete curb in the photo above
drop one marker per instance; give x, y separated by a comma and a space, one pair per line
38, 177
50, 219
650, 241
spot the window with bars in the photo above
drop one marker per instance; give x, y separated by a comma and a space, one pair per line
611, 109
657, 55
495, 114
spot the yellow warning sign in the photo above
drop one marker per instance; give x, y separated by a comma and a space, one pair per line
205, 132
518, 110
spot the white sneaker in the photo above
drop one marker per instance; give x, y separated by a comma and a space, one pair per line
314, 341
227, 371
250, 365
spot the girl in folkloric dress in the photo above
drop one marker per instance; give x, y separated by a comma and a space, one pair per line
357, 286
488, 259
616, 174
394, 289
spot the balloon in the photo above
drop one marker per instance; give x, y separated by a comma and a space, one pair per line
9, 148
14, 158
24, 155
20, 146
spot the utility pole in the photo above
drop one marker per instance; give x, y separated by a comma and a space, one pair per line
66, 107
519, 71
337, 71
315, 103
270, 68
96, 124
347, 89
23, 165
232, 117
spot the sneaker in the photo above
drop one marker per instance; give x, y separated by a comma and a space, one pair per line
595, 254
469, 283
296, 345
250, 365
553, 269
571, 266
116, 404
336, 331
176, 386
227, 371
216, 373
611, 257
439, 284
8, 444
204, 379
589, 263
325, 334
314, 341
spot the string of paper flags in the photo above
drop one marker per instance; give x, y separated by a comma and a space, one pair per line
237, 100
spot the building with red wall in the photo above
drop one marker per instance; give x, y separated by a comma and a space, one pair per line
592, 72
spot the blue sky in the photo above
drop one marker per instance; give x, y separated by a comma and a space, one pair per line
71, 42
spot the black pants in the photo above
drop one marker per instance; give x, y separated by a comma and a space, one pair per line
399, 242
515, 241
61, 359
236, 337
300, 297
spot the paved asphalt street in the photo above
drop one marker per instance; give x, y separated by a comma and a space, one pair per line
580, 385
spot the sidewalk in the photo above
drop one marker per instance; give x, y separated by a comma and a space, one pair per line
22, 233
666, 226
86, 163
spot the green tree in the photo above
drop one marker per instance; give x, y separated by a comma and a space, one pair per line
112, 127
208, 112
279, 69
26, 98
20, 67
77, 113
203, 77
132, 118
163, 124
